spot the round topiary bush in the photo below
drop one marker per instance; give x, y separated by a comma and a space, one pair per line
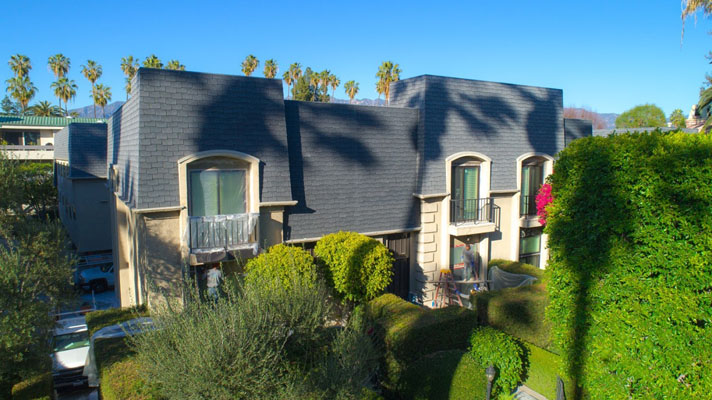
358, 267
489, 346
282, 263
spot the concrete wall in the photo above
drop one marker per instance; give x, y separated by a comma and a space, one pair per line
124, 266
160, 258
429, 249
504, 242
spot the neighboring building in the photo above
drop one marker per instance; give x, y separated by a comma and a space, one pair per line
80, 177
206, 167
30, 137
608, 132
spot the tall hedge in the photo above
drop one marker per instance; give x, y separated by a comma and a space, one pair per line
357, 266
631, 272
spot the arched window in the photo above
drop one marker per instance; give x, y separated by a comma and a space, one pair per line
532, 172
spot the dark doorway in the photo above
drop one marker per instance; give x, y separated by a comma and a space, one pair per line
399, 245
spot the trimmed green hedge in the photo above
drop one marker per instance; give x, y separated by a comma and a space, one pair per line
630, 239
118, 369
38, 387
409, 332
282, 262
489, 346
518, 311
358, 267
446, 375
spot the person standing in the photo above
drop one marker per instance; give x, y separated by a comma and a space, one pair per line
214, 276
469, 258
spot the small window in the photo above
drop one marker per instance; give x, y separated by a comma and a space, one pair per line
530, 246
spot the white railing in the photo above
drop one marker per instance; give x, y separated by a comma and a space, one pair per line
22, 152
222, 232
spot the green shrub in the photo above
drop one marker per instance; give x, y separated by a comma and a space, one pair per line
451, 374
630, 239
489, 346
408, 332
542, 369
257, 341
37, 387
282, 262
357, 266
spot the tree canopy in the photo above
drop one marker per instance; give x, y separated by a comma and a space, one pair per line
642, 116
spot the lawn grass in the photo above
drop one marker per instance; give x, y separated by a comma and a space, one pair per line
544, 367
445, 375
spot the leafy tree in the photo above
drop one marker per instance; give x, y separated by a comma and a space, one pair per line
691, 7
380, 88
334, 82
92, 71
59, 65
323, 81
642, 116
677, 118
306, 86
45, 109
249, 65
351, 89
22, 90
175, 65
387, 73
10, 107
35, 272
152, 62
102, 95
270, 70
129, 66
20, 65
65, 89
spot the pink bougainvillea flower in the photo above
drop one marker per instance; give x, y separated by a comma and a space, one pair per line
543, 199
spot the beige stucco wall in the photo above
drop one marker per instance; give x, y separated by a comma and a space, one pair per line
271, 226
125, 287
504, 242
159, 266
428, 249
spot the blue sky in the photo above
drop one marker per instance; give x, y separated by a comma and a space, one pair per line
607, 55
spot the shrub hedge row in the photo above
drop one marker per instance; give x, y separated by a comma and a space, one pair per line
630, 238
517, 311
489, 346
409, 332
358, 267
117, 366
282, 262
38, 387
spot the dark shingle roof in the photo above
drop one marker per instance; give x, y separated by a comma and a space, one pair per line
351, 167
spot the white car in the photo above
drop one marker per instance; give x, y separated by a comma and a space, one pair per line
98, 278
70, 346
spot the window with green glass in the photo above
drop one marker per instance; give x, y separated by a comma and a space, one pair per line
465, 190
530, 246
217, 192
532, 179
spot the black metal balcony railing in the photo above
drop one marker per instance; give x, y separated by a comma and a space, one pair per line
475, 211
222, 232
527, 206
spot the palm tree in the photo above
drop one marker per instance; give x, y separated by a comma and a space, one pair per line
334, 81
20, 65
387, 73
129, 66
380, 88
271, 68
152, 62
351, 89
295, 71
175, 65
66, 90
102, 96
92, 71
22, 90
249, 65
45, 109
287, 78
59, 65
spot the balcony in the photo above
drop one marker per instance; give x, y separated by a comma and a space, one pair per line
528, 217
218, 234
473, 216
29, 152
